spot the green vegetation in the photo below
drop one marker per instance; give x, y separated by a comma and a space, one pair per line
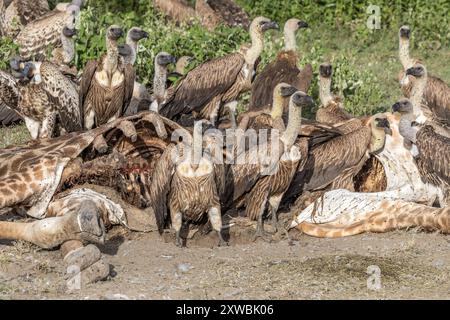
365, 61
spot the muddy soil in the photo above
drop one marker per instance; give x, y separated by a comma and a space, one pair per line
411, 264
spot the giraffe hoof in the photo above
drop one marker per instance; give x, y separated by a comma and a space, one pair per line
90, 223
83, 257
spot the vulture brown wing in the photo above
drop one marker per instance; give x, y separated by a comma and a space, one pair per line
160, 186
437, 96
38, 35
86, 79
282, 69
9, 91
130, 76
202, 84
328, 160
434, 152
231, 13
8, 115
304, 78
30, 10
64, 95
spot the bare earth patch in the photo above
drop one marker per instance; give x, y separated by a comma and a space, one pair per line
146, 266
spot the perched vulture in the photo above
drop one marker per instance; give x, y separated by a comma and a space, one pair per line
334, 163
331, 110
177, 10
107, 85
45, 32
14, 14
213, 84
434, 92
263, 183
185, 184
215, 12
180, 70
283, 69
162, 60
431, 150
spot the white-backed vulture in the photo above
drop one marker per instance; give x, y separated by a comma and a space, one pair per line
62, 93
263, 184
36, 37
215, 12
436, 93
106, 87
134, 35
331, 110
177, 10
283, 69
213, 84
184, 182
435, 112
431, 150
63, 56
335, 163
17, 13
162, 61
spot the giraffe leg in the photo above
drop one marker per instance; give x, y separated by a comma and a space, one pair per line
215, 218
84, 224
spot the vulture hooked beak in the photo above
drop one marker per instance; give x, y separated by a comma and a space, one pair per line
288, 91
116, 33
396, 107
303, 24
405, 32
325, 70
270, 25
414, 71
143, 35
384, 123
68, 32
301, 99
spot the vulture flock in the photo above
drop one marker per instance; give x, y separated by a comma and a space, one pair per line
106, 150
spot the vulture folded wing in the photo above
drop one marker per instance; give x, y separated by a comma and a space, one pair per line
160, 186
434, 153
64, 95
8, 115
30, 10
230, 12
282, 69
130, 76
9, 91
202, 84
38, 35
437, 96
86, 79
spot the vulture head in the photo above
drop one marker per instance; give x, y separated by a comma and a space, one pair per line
136, 34
69, 32
261, 24
379, 126
405, 32
183, 63
300, 100
125, 50
403, 106
284, 90
325, 70
294, 24
417, 71
163, 59
114, 33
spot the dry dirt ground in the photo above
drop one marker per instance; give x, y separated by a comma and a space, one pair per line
412, 264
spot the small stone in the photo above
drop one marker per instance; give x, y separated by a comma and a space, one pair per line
184, 267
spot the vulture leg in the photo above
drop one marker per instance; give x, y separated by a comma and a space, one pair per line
89, 120
216, 221
232, 106
84, 224
260, 232
48, 126
33, 127
274, 203
177, 223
